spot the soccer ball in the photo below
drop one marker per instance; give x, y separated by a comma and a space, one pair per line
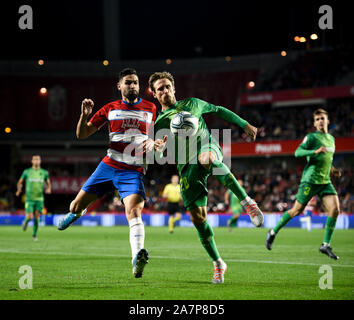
184, 123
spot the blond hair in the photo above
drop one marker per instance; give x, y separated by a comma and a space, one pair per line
319, 111
160, 75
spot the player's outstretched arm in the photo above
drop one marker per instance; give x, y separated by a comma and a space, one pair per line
48, 190
232, 117
302, 152
84, 128
19, 187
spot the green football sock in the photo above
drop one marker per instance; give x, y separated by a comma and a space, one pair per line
233, 221
283, 221
227, 179
206, 237
330, 225
35, 227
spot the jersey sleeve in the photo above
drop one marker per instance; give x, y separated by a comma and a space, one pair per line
100, 117
46, 175
24, 175
224, 113
305, 148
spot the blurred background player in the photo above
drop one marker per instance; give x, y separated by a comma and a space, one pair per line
129, 121
172, 192
235, 205
308, 211
318, 148
35, 179
194, 174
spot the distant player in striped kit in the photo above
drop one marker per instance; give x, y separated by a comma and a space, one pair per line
129, 121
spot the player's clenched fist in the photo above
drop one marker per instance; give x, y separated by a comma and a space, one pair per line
251, 131
86, 107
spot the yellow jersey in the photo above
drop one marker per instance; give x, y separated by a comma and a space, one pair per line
172, 192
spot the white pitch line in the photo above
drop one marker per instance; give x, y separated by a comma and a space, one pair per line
176, 258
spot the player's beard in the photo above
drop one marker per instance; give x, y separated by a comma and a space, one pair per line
132, 95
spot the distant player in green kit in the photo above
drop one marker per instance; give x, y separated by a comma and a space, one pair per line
235, 206
318, 147
201, 161
34, 178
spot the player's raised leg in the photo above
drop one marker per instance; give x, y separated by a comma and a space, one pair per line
206, 236
331, 203
212, 160
134, 204
286, 217
77, 209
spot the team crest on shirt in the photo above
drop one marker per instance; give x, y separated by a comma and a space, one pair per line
130, 123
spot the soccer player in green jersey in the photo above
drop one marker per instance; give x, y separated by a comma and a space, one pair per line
34, 178
318, 148
235, 205
201, 161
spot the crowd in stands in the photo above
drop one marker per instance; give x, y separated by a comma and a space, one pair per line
273, 187
274, 124
311, 69
271, 184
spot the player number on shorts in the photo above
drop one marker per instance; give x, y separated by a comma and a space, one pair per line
184, 184
307, 191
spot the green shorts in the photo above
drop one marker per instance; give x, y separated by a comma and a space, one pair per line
32, 206
308, 190
193, 181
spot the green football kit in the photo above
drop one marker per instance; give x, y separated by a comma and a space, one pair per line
315, 178
235, 203
316, 175
34, 179
194, 176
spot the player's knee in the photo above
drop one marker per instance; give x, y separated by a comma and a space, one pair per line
198, 216
134, 212
206, 159
334, 212
295, 212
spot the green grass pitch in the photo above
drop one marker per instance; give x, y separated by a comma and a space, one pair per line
95, 263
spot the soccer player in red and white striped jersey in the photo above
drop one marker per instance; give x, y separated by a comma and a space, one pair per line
129, 121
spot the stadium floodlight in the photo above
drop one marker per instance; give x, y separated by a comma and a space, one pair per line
41, 62
314, 36
43, 91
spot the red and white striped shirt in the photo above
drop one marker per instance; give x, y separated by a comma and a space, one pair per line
129, 126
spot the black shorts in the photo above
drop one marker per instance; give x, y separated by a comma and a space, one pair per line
173, 207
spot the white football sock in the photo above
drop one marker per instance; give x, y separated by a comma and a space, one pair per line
137, 235
247, 200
